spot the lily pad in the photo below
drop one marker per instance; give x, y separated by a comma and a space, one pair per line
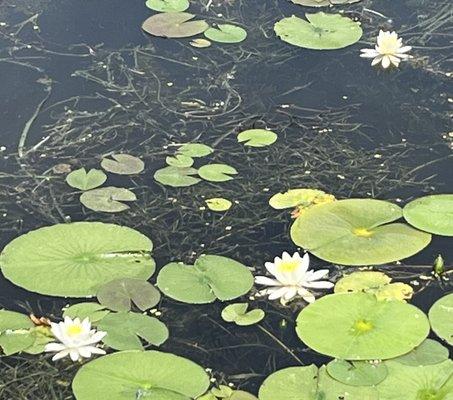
83, 180
299, 198
321, 32
323, 3
176, 177
431, 214
200, 43
107, 199
212, 277
124, 330
441, 318
357, 373
241, 395
128, 374
10, 320
359, 327
226, 33
257, 137
93, 311
428, 353
180, 161
15, 342
168, 5
123, 164
430, 382
357, 232
75, 259
119, 294
218, 204
238, 314
195, 150
216, 172
174, 25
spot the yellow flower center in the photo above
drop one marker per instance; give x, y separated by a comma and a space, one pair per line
389, 45
362, 232
288, 266
363, 326
74, 330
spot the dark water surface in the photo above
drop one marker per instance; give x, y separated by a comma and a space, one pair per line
343, 127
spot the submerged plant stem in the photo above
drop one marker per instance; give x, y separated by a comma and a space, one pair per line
287, 349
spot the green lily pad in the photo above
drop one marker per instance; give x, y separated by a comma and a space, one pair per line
10, 320
216, 172
119, 294
290, 384
107, 199
430, 382
441, 318
212, 277
174, 25
123, 164
226, 33
124, 330
241, 395
75, 259
428, 353
323, 3
218, 204
299, 197
15, 342
359, 327
238, 314
168, 5
257, 137
357, 373
128, 374
374, 282
83, 180
176, 177
357, 232
195, 150
93, 311
321, 32
180, 161
432, 214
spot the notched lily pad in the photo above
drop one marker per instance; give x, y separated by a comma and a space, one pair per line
323, 3
428, 353
200, 43
174, 25
83, 180
216, 172
441, 318
107, 199
218, 204
180, 161
195, 149
11, 320
168, 5
238, 314
357, 373
257, 137
301, 198
176, 177
93, 311
123, 164
226, 33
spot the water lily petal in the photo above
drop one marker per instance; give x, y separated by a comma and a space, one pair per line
264, 280
306, 295
385, 62
277, 293
60, 355
319, 285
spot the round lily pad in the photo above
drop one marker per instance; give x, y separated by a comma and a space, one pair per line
357, 373
428, 353
211, 277
176, 177
174, 25
218, 204
93, 311
357, 232
83, 180
299, 197
130, 375
75, 259
200, 43
441, 318
123, 164
359, 327
323, 3
195, 150
257, 137
180, 161
107, 199
10, 320
238, 314
226, 33
429, 382
168, 5
321, 32
431, 214
216, 172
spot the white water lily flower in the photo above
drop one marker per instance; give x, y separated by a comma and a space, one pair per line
292, 278
77, 339
388, 51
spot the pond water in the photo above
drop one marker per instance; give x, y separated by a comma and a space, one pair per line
80, 80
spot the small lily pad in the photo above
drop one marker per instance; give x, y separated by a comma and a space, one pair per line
93, 311
107, 199
123, 164
124, 330
218, 204
168, 5
323, 3
200, 43
238, 314
441, 318
15, 341
428, 353
10, 320
195, 150
216, 172
180, 161
257, 137
176, 177
432, 214
119, 294
83, 180
321, 31
299, 198
212, 277
357, 373
226, 33
174, 25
